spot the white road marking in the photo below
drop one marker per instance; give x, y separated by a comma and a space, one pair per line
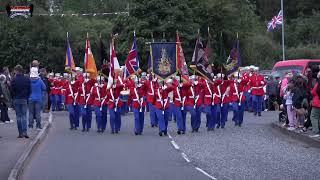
185, 157
175, 145
205, 173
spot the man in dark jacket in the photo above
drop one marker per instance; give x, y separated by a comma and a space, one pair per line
272, 91
20, 90
45, 96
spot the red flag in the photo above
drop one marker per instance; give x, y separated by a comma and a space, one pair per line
181, 61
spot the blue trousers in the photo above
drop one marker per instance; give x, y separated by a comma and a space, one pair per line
171, 112
58, 102
104, 117
216, 111
257, 103
240, 114
193, 116
224, 114
72, 116
35, 113
181, 123
207, 109
153, 116
115, 119
21, 107
98, 113
162, 119
197, 123
248, 103
77, 114
86, 114
53, 101
138, 120
235, 110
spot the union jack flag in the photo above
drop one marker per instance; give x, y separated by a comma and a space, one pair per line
132, 62
276, 20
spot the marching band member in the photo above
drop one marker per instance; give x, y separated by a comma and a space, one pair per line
104, 105
136, 97
245, 79
115, 105
89, 85
70, 93
179, 104
208, 96
55, 92
234, 97
225, 100
242, 101
64, 82
257, 83
161, 106
152, 88
216, 102
198, 103
191, 101
95, 95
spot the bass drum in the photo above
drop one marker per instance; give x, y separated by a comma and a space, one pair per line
124, 95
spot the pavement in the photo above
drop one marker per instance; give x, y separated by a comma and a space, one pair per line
254, 151
11, 148
76, 155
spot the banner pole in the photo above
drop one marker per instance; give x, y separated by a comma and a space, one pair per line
283, 46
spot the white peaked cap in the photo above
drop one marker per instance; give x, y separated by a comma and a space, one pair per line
57, 75
77, 68
169, 80
51, 74
193, 77
65, 74
219, 75
143, 74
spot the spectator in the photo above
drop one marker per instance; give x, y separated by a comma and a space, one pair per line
45, 95
272, 92
298, 99
5, 100
21, 89
35, 99
315, 112
289, 104
6, 72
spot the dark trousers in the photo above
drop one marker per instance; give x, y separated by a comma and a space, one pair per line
272, 99
4, 112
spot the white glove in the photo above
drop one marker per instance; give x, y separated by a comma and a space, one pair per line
249, 91
180, 85
262, 82
196, 83
164, 87
139, 85
114, 86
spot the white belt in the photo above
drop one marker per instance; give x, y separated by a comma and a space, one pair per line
257, 87
208, 96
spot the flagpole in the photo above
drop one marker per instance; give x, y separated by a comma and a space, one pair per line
283, 47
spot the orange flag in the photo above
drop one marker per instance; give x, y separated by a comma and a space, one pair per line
89, 63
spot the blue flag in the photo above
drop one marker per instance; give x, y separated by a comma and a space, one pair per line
164, 59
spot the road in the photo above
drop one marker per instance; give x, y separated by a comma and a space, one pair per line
254, 151
76, 155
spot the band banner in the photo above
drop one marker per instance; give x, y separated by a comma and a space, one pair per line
164, 59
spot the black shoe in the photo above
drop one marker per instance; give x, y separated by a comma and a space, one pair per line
222, 127
99, 131
160, 133
193, 131
75, 128
156, 125
136, 133
259, 114
87, 130
20, 136
112, 132
197, 130
255, 114
30, 127
179, 132
165, 133
218, 126
117, 132
239, 125
208, 129
152, 126
102, 131
183, 132
26, 136
71, 128
83, 130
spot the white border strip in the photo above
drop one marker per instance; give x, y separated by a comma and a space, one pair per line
205, 173
175, 145
185, 157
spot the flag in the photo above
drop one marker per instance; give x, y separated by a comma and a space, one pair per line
181, 61
164, 59
276, 20
114, 64
222, 51
132, 62
89, 63
234, 60
70, 65
200, 61
149, 63
103, 57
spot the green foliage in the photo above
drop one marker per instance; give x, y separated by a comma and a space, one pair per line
44, 38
